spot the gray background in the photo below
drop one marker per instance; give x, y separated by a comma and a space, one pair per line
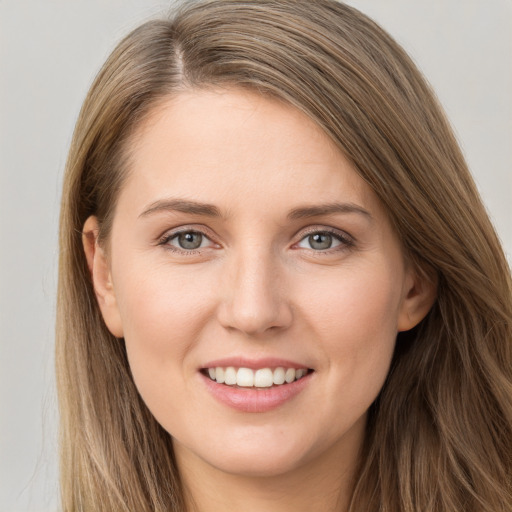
49, 53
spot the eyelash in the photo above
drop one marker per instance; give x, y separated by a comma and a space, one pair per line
345, 241
165, 240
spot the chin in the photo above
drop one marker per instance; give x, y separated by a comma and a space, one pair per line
264, 464
263, 456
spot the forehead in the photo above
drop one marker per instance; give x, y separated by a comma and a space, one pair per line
235, 145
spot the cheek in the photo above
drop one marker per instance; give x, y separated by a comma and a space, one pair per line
356, 324
158, 303
359, 301
163, 314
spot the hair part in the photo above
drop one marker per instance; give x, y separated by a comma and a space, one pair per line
440, 434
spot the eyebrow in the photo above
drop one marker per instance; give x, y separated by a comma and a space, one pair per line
181, 205
327, 209
209, 210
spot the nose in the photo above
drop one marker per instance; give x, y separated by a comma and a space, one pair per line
253, 294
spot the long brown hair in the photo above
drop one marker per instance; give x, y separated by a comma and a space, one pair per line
439, 437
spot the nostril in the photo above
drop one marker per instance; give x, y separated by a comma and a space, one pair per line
255, 313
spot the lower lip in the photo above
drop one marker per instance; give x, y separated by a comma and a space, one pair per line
255, 399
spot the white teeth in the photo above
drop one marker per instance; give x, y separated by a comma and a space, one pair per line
290, 375
261, 378
279, 376
245, 377
219, 375
230, 376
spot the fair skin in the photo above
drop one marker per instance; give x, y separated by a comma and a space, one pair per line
243, 237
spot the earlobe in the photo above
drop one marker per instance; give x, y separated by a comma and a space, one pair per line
419, 296
99, 268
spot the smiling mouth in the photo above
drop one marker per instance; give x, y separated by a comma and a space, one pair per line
249, 378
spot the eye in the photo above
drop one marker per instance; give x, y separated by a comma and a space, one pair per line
323, 241
187, 240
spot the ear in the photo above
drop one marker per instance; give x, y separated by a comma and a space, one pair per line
99, 268
420, 292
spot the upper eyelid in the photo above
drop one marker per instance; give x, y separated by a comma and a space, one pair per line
172, 232
299, 235
324, 229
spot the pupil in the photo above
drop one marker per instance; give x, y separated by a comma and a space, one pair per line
190, 240
320, 241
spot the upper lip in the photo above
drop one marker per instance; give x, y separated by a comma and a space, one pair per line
254, 364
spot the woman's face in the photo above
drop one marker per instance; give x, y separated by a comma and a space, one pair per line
243, 239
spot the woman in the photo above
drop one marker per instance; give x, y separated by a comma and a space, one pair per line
279, 287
